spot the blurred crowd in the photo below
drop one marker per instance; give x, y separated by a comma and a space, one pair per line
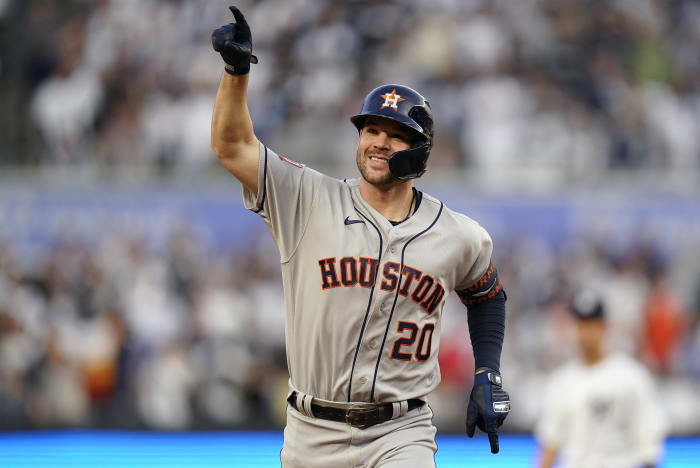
571, 88
115, 333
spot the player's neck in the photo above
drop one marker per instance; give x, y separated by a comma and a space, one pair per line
593, 356
393, 202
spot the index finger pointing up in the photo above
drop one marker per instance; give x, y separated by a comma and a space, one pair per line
240, 19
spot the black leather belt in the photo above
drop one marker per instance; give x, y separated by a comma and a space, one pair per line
357, 417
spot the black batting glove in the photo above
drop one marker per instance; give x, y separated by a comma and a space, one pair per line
488, 405
235, 44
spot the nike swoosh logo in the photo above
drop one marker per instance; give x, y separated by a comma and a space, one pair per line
349, 221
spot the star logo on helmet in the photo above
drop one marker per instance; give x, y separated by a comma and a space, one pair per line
391, 100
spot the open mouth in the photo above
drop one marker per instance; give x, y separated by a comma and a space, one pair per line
378, 158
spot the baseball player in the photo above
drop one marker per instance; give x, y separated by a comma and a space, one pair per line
366, 265
602, 411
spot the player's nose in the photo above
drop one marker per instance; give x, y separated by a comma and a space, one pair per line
382, 140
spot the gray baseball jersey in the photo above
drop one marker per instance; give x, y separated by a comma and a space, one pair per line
363, 298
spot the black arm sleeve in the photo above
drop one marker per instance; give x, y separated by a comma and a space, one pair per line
487, 323
486, 306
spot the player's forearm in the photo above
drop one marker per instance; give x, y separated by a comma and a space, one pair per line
486, 305
232, 127
547, 458
232, 137
487, 321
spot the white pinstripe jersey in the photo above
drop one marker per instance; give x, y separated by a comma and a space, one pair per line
605, 415
363, 298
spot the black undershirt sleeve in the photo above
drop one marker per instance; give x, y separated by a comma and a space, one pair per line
486, 306
487, 323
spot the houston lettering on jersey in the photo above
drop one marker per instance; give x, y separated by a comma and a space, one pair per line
350, 271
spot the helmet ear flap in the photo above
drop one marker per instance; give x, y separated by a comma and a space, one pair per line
410, 163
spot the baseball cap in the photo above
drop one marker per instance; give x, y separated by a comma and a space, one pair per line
588, 305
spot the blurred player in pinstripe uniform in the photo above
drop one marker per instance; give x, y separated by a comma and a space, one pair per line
601, 411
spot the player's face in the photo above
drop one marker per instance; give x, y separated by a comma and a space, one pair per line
591, 334
379, 139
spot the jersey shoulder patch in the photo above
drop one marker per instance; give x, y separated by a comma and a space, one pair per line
293, 163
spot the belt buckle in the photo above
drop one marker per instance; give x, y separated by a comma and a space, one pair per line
360, 417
